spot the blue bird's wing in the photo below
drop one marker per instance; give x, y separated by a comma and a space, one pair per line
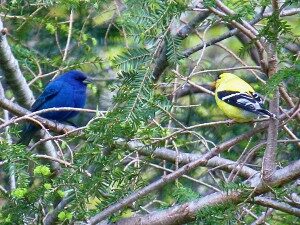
51, 90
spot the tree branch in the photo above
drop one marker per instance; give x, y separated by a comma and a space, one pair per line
284, 207
16, 81
162, 61
262, 218
51, 217
269, 159
201, 161
184, 158
12, 72
186, 53
188, 89
186, 212
20, 111
181, 214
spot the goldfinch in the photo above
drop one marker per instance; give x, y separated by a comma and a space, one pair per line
237, 99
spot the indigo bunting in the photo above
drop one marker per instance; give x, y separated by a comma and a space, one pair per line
67, 90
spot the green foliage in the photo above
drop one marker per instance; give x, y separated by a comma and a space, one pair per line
136, 93
245, 49
275, 28
209, 3
146, 20
19, 193
132, 60
102, 169
63, 3
63, 216
222, 214
47, 186
291, 2
18, 157
174, 49
147, 23
42, 170
234, 186
289, 76
184, 194
243, 9
264, 3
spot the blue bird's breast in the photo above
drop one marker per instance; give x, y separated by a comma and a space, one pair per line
68, 96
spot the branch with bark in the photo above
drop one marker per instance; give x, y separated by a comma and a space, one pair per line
269, 159
162, 61
201, 161
17, 83
12, 72
187, 212
20, 111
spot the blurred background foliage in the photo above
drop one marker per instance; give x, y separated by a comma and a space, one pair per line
118, 43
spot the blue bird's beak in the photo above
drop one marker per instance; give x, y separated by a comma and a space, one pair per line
88, 80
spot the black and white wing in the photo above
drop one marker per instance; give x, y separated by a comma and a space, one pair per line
257, 98
251, 102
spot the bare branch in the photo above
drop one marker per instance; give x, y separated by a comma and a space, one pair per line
15, 79
51, 217
261, 219
19, 111
69, 35
201, 161
233, 32
213, 41
161, 62
188, 89
269, 164
186, 212
180, 214
12, 72
184, 158
284, 207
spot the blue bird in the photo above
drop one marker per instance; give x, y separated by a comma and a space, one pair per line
67, 90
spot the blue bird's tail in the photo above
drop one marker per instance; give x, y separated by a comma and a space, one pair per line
27, 134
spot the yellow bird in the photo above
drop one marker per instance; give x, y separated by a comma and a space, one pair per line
237, 99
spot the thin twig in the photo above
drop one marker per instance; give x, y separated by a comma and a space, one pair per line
69, 35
